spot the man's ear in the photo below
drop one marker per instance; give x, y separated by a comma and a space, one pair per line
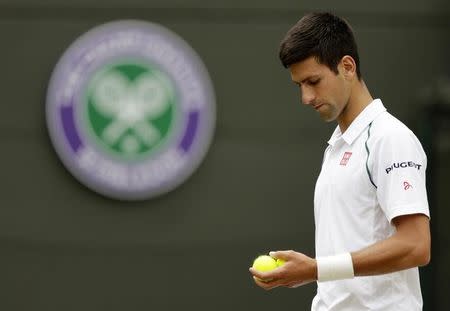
348, 66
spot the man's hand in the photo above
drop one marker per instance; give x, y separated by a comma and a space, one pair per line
297, 270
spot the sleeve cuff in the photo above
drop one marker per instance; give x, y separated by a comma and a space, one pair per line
409, 209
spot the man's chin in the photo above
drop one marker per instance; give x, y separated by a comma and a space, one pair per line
327, 118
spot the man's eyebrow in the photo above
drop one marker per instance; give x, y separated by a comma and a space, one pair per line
307, 78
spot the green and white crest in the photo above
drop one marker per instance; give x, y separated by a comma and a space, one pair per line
130, 109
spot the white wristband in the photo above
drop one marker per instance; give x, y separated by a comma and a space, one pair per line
335, 267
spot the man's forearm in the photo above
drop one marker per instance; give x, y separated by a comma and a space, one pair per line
387, 256
409, 247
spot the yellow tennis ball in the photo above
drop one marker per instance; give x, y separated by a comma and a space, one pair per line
264, 263
280, 262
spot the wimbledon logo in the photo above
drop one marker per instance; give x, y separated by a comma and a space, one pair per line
130, 110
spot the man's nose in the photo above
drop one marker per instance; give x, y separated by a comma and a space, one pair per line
308, 96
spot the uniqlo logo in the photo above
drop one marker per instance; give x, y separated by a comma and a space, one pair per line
346, 158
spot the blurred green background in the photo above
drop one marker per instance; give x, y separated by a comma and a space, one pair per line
63, 247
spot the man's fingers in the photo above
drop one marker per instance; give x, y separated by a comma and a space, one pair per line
271, 284
266, 284
269, 280
263, 275
285, 255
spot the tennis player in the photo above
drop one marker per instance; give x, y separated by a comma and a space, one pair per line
370, 203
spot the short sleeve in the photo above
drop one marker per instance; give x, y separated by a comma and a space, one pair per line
399, 165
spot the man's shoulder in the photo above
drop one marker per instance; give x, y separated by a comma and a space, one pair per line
387, 126
389, 133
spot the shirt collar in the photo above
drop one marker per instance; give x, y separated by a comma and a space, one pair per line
359, 124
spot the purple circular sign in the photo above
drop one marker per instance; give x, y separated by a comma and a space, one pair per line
130, 110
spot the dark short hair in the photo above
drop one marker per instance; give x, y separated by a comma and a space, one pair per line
323, 35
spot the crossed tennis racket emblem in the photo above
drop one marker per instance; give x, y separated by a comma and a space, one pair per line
131, 104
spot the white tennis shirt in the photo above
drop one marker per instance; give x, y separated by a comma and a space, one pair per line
372, 173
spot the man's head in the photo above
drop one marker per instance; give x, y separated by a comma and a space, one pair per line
324, 36
321, 54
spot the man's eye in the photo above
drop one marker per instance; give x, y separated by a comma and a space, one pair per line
314, 82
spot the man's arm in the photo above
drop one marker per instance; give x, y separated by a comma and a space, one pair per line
408, 247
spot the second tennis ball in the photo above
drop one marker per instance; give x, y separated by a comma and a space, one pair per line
280, 262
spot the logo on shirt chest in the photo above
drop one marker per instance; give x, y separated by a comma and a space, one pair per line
345, 158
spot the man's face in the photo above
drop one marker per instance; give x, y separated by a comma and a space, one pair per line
321, 88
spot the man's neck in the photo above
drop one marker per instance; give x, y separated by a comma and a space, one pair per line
359, 99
